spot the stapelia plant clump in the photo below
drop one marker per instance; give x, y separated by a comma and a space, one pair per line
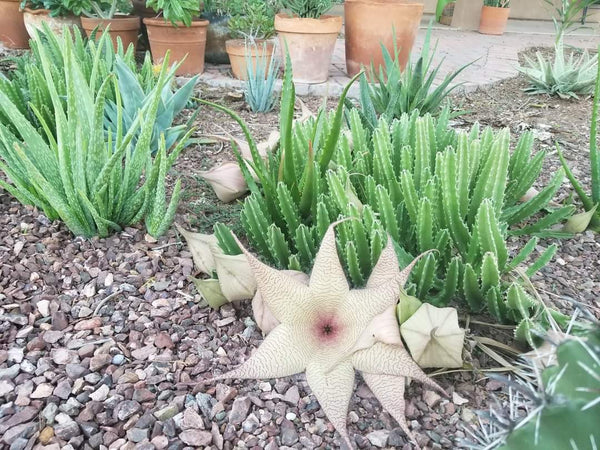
328, 331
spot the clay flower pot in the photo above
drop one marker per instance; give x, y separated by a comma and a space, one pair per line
447, 14
217, 35
310, 43
13, 33
236, 49
35, 18
181, 41
493, 20
125, 27
369, 23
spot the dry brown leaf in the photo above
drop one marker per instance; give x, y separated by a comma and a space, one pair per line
227, 181
433, 337
203, 247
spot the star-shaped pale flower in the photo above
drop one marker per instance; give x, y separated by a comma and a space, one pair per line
329, 331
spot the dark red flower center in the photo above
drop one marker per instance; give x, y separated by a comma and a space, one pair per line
327, 328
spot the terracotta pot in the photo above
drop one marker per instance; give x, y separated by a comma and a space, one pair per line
125, 27
369, 24
181, 41
493, 20
310, 43
13, 33
35, 18
217, 35
236, 49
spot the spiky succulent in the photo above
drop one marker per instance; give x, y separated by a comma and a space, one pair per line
558, 384
328, 331
259, 88
424, 184
564, 77
95, 184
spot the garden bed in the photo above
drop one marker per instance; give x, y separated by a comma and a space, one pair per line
113, 331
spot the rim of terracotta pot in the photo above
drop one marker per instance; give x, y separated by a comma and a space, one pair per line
160, 22
496, 7
237, 47
121, 20
36, 12
387, 2
325, 24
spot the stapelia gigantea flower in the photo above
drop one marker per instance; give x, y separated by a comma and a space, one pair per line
328, 331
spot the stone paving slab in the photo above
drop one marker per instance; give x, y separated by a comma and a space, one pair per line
493, 58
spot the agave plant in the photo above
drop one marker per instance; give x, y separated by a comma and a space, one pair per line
427, 186
567, 78
259, 90
94, 182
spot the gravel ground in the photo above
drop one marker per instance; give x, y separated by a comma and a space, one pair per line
102, 341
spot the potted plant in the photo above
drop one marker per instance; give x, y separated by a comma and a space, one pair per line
444, 11
179, 29
111, 15
373, 23
252, 23
494, 15
309, 36
217, 12
52, 12
13, 33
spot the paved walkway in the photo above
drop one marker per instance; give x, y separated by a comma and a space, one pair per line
494, 57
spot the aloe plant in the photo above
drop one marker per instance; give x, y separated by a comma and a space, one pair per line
259, 90
94, 182
425, 185
134, 95
28, 87
308, 8
395, 92
590, 202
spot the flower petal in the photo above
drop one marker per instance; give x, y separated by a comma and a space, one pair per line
282, 353
328, 279
263, 316
405, 273
391, 360
382, 328
364, 304
389, 390
386, 267
333, 390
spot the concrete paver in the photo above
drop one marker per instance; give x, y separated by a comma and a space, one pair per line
493, 58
